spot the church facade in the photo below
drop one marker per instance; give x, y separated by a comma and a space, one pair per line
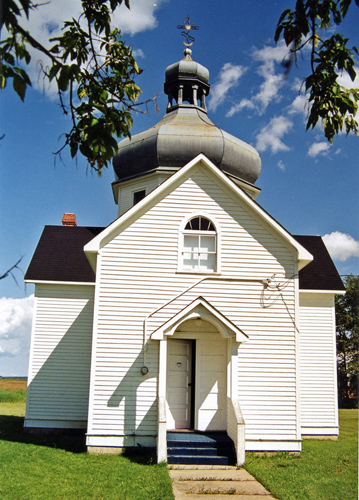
194, 310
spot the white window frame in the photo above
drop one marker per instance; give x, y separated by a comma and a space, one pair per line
183, 232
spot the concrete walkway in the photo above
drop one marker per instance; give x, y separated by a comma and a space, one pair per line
196, 482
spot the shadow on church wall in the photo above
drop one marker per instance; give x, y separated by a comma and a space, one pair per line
133, 388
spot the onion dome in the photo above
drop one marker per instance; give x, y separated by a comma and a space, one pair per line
186, 131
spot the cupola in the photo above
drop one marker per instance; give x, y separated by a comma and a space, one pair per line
184, 132
186, 83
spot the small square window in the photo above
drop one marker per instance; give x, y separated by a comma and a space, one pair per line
138, 196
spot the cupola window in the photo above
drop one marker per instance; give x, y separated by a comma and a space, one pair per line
199, 252
138, 196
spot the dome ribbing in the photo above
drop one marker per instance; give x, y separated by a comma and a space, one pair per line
186, 131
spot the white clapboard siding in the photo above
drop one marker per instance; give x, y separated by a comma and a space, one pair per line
125, 195
59, 371
318, 381
139, 274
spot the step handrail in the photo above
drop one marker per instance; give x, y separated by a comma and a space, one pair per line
238, 436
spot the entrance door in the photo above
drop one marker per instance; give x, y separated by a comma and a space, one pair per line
211, 385
179, 379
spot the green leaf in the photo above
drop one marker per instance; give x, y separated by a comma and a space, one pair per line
2, 82
63, 80
19, 86
55, 68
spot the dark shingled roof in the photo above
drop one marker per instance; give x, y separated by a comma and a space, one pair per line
321, 273
59, 256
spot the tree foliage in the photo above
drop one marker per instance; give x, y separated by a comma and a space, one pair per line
308, 25
94, 71
347, 319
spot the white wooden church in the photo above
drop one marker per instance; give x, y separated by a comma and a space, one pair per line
194, 315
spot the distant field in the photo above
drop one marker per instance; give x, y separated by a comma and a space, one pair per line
13, 390
13, 384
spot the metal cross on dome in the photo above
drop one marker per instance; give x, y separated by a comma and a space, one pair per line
188, 25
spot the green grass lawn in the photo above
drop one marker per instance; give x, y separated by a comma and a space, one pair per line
36, 466
325, 470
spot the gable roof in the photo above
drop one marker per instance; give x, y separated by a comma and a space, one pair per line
59, 255
93, 247
321, 274
205, 310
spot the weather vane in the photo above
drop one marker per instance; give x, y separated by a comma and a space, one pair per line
187, 25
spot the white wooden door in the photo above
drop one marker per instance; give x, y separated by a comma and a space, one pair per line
211, 385
179, 384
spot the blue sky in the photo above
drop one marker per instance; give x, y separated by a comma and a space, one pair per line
309, 186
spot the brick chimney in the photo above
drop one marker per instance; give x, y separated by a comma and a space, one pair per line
69, 220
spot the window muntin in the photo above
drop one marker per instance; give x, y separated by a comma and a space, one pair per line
199, 251
200, 223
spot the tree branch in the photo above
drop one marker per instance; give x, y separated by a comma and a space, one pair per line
37, 45
10, 271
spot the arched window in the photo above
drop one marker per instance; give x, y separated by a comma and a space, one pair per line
199, 252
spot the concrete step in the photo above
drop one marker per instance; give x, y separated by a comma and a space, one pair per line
221, 488
218, 474
184, 496
216, 483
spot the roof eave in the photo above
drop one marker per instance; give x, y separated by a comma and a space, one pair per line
55, 282
314, 290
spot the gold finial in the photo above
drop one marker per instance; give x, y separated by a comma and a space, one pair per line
187, 25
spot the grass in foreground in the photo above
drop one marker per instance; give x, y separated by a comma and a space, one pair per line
58, 467
325, 470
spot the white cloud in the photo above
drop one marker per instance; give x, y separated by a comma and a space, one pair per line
347, 82
138, 53
46, 22
341, 246
269, 90
269, 53
140, 17
318, 148
15, 326
270, 136
227, 79
281, 166
244, 103
299, 105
